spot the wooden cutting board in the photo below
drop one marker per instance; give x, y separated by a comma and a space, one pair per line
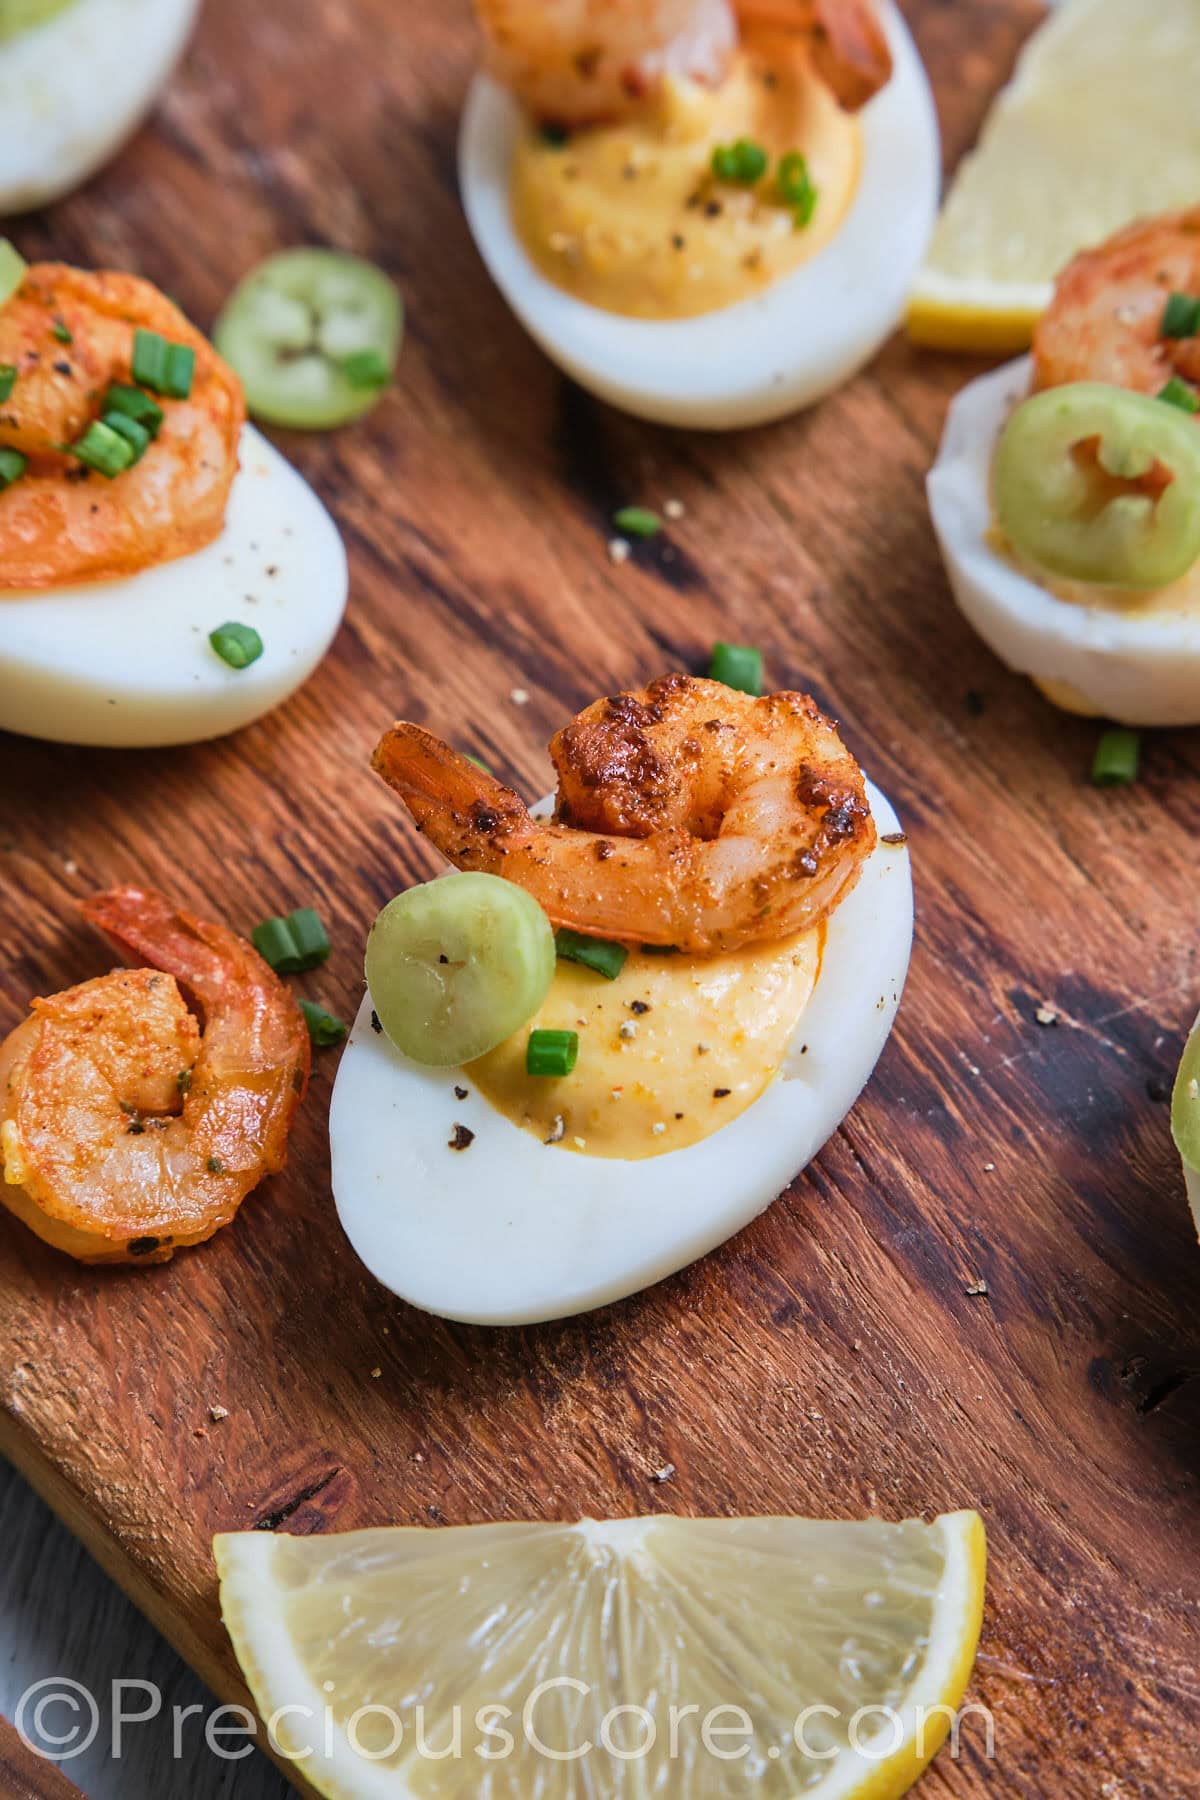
840, 1355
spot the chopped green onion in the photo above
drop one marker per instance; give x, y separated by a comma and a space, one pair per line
796, 187
743, 162
8, 380
293, 944
606, 958
323, 1028
12, 270
366, 369
135, 405
103, 449
135, 435
60, 330
479, 763
637, 521
553, 1053
1115, 763
238, 645
1181, 394
163, 367
1181, 316
737, 666
12, 467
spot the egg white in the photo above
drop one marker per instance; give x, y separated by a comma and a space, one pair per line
511, 1231
768, 355
1191, 1177
1139, 668
128, 663
72, 90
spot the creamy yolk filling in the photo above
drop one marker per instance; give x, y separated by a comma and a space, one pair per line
1180, 597
631, 218
670, 1051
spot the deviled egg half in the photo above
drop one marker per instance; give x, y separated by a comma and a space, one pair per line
716, 233
1069, 516
165, 575
1185, 1119
77, 77
529, 1122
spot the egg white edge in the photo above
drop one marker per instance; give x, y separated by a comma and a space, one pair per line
1136, 668
731, 368
92, 132
125, 689
512, 1231
1191, 1177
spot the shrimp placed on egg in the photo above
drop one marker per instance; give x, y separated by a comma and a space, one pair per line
130, 1126
1066, 493
68, 335
688, 815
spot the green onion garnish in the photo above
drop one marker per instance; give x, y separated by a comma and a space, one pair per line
238, 645
135, 405
1181, 317
637, 521
163, 367
135, 435
1179, 393
12, 467
366, 369
323, 1028
1115, 763
12, 270
743, 162
795, 187
606, 958
293, 944
103, 449
479, 763
61, 331
737, 666
552, 1053
8, 380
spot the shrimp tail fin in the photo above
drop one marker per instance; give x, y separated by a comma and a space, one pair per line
453, 800
846, 41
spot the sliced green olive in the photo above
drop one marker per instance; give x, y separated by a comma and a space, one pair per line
1101, 485
457, 965
313, 335
1185, 1104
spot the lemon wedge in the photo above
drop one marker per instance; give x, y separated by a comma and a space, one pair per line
1098, 126
692, 1658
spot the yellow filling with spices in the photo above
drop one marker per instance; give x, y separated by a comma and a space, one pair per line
670, 1051
631, 218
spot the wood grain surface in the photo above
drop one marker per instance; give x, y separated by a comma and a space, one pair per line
835, 1358
26, 1776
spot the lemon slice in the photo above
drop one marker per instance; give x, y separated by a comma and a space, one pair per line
1098, 126
561, 1662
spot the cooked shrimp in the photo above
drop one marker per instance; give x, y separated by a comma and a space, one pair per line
579, 62
69, 335
1105, 320
128, 1127
688, 815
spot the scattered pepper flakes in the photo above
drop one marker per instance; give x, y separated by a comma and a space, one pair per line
977, 1287
1046, 1015
627, 1029
663, 1474
658, 1127
215, 1166
722, 1093
217, 1413
895, 838
460, 1093
462, 1138
376, 1372
376, 1027
639, 1007
557, 1130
